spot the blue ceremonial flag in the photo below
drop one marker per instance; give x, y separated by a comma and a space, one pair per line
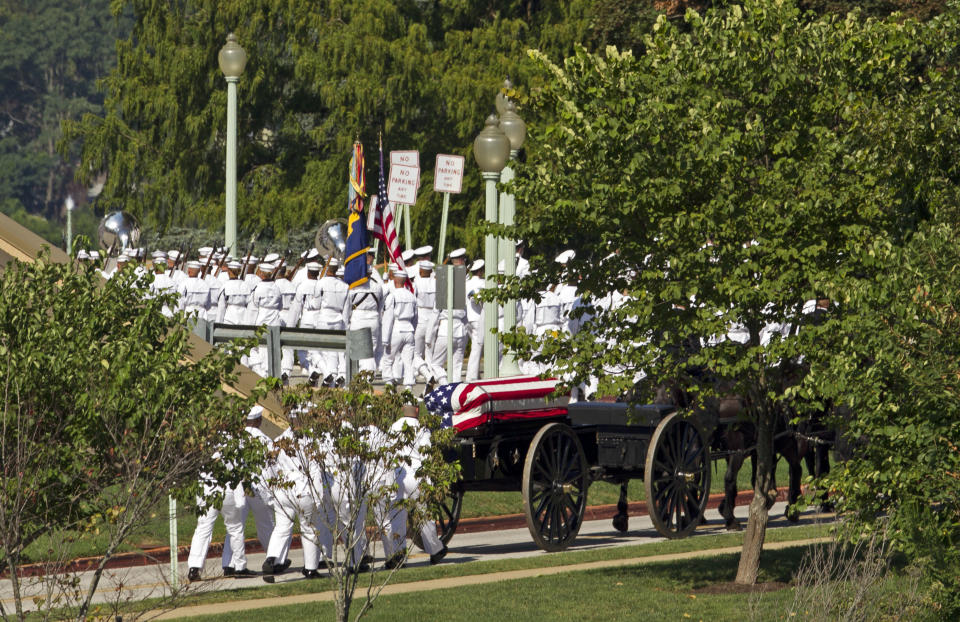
355, 264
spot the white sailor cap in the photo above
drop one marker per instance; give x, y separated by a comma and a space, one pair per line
340, 271
565, 256
82, 254
95, 254
123, 258
334, 262
194, 264
130, 252
234, 265
271, 257
266, 266
313, 266
519, 242
255, 413
425, 265
460, 252
477, 265
203, 251
158, 256
392, 266
423, 250
174, 255
407, 255
399, 272
371, 251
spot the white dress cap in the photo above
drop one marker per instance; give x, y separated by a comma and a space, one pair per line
407, 255
255, 413
565, 256
477, 265
194, 264
313, 266
425, 265
423, 250
271, 257
460, 252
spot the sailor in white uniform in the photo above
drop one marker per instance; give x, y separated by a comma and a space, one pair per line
399, 326
474, 285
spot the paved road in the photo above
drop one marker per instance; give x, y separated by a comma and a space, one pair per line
152, 581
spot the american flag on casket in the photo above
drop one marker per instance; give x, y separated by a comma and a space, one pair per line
465, 405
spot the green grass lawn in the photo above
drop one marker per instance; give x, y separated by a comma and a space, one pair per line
689, 589
425, 573
156, 533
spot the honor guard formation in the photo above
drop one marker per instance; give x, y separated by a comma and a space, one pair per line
400, 308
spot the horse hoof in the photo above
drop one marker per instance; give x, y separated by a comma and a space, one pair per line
620, 522
792, 515
734, 525
722, 506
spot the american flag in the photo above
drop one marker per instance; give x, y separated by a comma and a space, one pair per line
464, 405
382, 226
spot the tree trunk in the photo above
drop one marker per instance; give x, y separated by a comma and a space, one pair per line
764, 495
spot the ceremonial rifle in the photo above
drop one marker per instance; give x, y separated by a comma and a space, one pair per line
246, 262
273, 275
206, 266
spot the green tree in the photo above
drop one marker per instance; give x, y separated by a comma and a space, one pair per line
892, 363
101, 417
52, 53
319, 76
720, 179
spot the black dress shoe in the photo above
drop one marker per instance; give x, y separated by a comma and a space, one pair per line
228, 571
310, 574
281, 568
193, 575
268, 567
246, 573
328, 381
396, 560
314, 377
340, 382
436, 557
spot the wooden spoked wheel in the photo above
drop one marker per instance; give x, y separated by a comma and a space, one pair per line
677, 476
446, 514
555, 486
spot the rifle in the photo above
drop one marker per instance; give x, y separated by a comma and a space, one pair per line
299, 263
203, 272
184, 257
177, 260
273, 275
246, 262
223, 260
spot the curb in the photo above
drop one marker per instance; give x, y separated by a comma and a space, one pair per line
161, 555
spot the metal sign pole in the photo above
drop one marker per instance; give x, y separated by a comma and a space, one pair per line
406, 226
443, 226
174, 561
450, 376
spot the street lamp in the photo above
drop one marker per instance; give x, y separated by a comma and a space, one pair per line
516, 130
69, 204
232, 61
491, 149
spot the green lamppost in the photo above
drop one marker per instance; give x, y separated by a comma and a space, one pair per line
491, 149
232, 61
516, 130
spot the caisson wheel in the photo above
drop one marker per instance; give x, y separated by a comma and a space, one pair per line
677, 476
555, 486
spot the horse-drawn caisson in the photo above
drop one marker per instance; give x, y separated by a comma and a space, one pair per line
512, 434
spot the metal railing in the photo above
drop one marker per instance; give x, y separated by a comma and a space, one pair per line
355, 344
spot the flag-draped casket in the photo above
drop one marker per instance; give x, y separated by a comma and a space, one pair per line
466, 405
